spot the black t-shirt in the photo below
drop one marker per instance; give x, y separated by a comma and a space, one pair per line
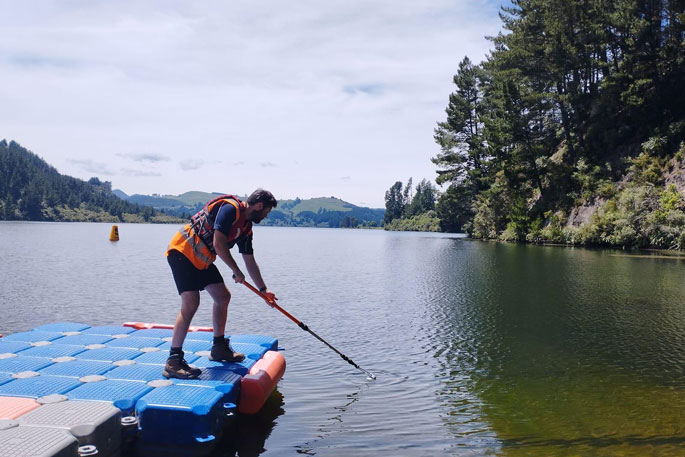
223, 223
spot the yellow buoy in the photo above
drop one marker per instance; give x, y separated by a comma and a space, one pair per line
114, 233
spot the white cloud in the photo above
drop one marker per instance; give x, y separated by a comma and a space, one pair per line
91, 166
323, 89
136, 172
144, 157
191, 164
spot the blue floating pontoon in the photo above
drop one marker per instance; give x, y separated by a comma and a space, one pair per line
74, 368
18, 363
110, 330
159, 357
122, 365
53, 350
122, 394
12, 347
135, 342
33, 336
38, 386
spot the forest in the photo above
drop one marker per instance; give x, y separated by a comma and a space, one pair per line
31, 189
571, 130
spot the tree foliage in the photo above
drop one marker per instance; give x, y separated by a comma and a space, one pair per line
403, 203
394, 202
570, 93
31, 189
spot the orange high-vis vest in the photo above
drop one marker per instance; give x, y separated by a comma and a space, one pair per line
196, 239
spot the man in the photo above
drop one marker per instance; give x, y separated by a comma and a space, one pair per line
213, 231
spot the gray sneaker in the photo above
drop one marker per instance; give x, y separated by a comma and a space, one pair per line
225, 353
177, 367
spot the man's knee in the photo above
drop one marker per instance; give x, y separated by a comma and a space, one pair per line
219, 293
190, 301
223, 299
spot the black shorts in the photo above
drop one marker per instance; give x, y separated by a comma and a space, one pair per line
187, 277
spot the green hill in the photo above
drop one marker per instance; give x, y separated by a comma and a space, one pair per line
192, 198
325, 203
324, 212
319, 212
31, 189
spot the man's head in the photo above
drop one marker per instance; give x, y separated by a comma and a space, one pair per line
260, 203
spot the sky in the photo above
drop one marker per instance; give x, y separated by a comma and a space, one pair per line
304, 98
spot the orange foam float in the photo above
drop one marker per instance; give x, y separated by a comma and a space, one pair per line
257, 385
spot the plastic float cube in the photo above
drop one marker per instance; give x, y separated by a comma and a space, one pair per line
20, 441
32, 384
240, 368
180, 420
13, 407
103, 353
159, 357
190, 346
154, 333
33, 336
226, 382
13, 363
268, 342
83, 339
136, 372
252, 353
134, 342
75, 368
13, 347
121, 394
92, 423
110, 330
52, 351
201, 336
5, 377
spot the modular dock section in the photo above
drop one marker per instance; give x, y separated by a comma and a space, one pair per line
71, 390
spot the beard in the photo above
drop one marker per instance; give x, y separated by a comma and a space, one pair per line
256, 218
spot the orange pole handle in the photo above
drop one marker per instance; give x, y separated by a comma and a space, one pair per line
274, 304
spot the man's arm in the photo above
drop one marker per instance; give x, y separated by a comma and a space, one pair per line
221, 248
256, 275
253, 270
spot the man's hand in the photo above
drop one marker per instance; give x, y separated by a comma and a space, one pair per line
270, 298
238, 277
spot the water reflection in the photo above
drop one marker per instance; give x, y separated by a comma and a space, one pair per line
248, 434
559, 352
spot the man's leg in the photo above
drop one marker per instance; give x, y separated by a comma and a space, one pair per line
221, 297
221, 349
176, 366
190, 301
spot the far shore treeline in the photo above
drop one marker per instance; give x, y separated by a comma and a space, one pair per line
32, 190
571, 131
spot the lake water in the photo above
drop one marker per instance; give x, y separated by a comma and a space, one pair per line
479, 348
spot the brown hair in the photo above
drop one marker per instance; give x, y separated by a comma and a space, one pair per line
262, 196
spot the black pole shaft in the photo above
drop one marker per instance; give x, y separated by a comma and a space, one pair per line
343, 356
304, 326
